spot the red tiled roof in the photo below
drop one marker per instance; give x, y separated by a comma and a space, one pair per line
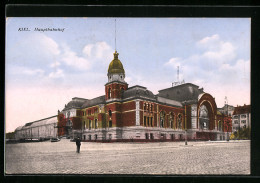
242, 109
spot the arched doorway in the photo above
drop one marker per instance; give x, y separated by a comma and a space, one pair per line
206, 110
203, 118
206, 116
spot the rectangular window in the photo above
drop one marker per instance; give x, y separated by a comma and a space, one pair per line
146, 135
243, 121
89, 137
144, 120
151, 136
148, 121
151, 121
243, 116
110, 123
172, 136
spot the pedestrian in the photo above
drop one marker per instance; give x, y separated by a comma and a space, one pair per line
78, 143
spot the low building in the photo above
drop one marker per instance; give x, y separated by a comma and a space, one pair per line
241, 117
41, 129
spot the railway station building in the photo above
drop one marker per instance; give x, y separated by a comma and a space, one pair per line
135, 113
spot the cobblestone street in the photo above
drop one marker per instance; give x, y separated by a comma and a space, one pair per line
175, 158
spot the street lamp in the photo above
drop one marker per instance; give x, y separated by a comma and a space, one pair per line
185, 118
227, 120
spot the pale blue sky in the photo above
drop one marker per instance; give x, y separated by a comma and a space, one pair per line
44, 70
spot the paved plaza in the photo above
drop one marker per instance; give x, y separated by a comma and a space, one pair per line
174, 158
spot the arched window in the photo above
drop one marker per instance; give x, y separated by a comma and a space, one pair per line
96, 123
219, 126
162, 118
110, 115
89, 124
109, 93
179, 121
171, 119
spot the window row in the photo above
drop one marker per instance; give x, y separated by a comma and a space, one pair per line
148, 121
173, 123
95, 137
109, 92
164, 136
148, 107
94, 125
88, 112
90, 125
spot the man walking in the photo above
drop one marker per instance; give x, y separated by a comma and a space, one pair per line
78, 143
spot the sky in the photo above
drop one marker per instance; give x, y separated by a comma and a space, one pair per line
45, 70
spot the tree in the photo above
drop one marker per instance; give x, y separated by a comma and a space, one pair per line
242, 134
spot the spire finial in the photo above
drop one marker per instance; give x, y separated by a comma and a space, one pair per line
177, 73
115, 34
116, 55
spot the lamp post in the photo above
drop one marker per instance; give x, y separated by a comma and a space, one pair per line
185, 118
227, 120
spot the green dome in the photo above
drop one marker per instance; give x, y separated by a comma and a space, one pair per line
115, 65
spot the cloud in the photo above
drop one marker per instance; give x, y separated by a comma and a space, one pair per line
72, 59
216, 68
98, 52
21, 70
215, 53
208, 40
57, 74
55, 64
49, 44
92, 54
174, 62
33, 71
223, 54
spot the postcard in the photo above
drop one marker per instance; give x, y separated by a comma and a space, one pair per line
130, 96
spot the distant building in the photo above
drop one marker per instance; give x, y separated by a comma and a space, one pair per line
241, 117
41, 129
227, 110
